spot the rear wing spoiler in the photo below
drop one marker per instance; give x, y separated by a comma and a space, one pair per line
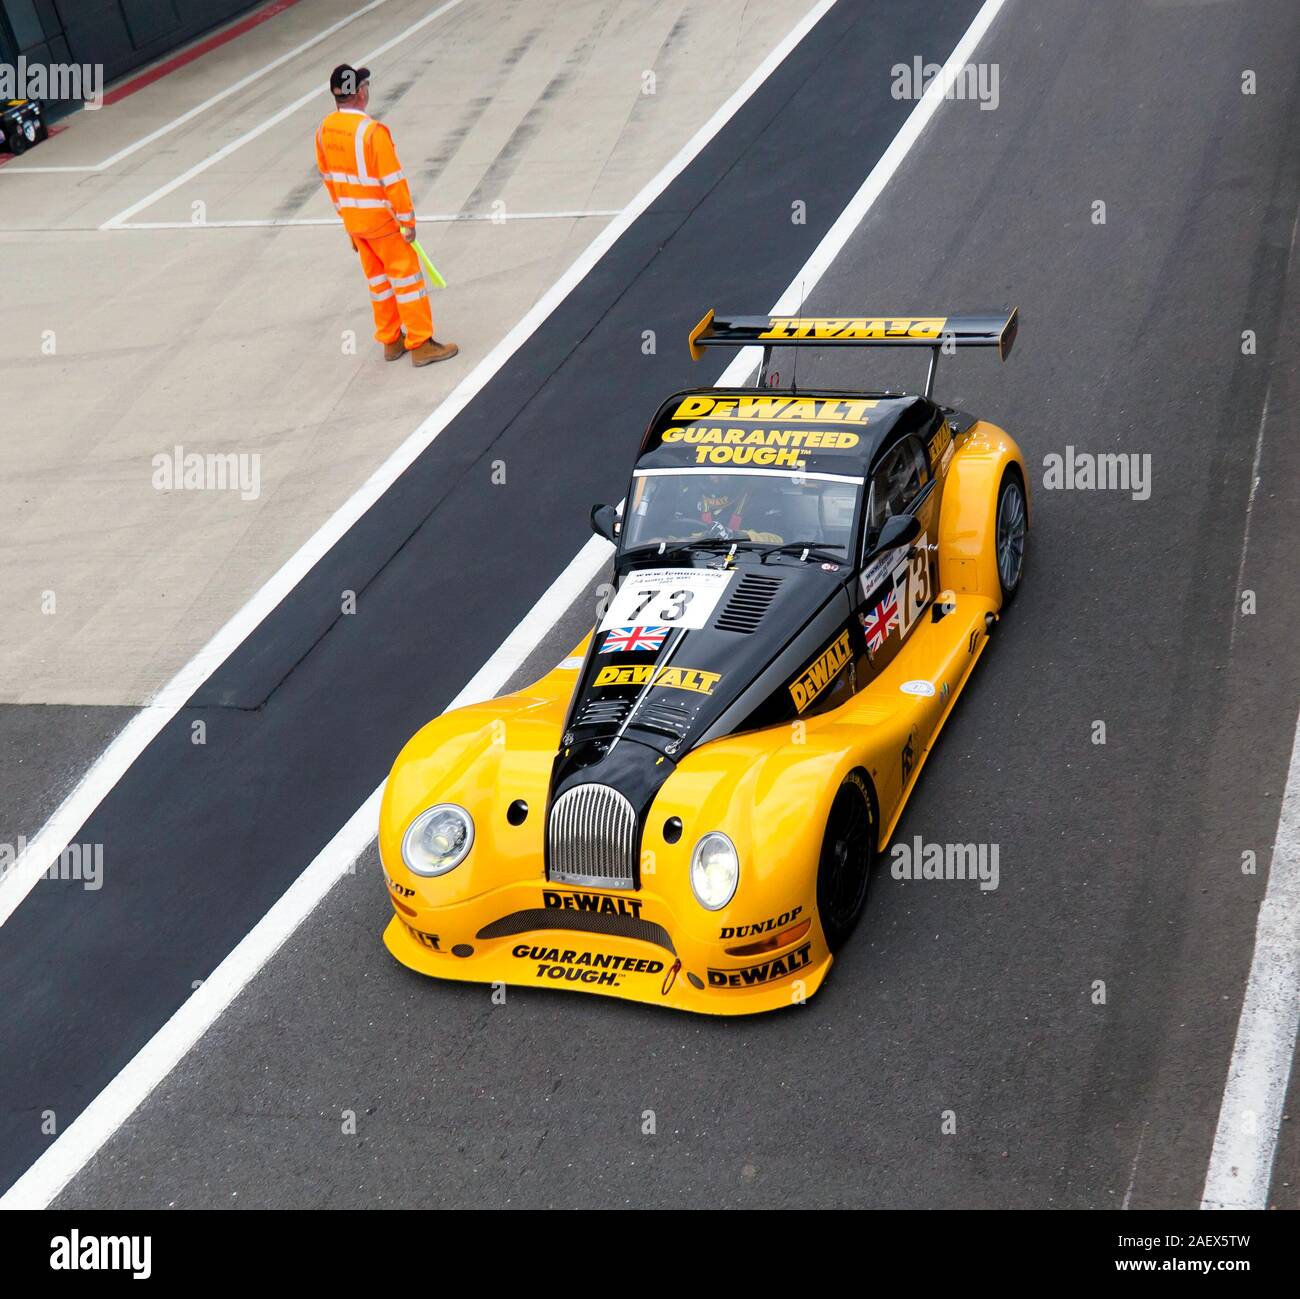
984, 329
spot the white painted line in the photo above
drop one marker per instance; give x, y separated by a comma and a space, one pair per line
1245, 1141
194, 112
1133, 1169
161, 1054
44, 848
421, 217
84, 1137
431, 218
1250, 508
274, 120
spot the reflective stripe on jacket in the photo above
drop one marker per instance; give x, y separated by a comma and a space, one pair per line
358, 163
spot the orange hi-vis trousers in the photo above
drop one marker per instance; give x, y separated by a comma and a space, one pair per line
398, 294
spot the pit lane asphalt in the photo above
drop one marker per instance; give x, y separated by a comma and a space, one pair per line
1119, 862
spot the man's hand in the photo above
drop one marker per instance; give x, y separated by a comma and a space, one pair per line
408, 233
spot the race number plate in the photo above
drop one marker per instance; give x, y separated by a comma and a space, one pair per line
667, 597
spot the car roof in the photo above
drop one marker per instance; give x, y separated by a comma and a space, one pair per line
781, 429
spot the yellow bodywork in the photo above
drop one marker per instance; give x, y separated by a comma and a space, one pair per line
770, 791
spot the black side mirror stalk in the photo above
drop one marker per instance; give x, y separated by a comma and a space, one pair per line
605, 521
898, 530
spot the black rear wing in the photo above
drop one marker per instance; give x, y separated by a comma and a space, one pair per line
982, 329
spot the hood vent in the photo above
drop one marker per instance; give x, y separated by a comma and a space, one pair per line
665, 716
751, 599
606, 714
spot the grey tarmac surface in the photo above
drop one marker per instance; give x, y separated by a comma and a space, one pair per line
1119, 862
47, 748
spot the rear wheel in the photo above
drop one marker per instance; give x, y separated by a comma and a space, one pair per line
848, 851
1012, 528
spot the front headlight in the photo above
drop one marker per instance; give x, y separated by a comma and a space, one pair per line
715, 871
437, 840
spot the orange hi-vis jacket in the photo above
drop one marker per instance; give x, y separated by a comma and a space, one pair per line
359, 165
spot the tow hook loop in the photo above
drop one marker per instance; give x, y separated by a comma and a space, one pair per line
670, 977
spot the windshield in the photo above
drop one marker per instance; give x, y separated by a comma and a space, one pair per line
675, 505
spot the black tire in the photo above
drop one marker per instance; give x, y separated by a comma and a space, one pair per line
17, 144
1010, 533
848, 853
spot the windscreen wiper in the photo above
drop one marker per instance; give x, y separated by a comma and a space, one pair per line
703, 543
807, 550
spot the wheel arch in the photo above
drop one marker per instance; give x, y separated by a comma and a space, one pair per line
968, 516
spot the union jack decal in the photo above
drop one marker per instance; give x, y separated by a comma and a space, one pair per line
633, 640
878, 622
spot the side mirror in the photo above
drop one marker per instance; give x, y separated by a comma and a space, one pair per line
899, 530
605, 521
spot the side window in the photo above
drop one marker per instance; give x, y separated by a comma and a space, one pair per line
896, 483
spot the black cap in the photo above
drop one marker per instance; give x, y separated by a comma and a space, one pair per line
346, 80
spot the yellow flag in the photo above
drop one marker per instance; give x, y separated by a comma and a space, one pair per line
435, 276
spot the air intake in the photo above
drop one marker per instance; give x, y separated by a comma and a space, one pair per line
592, 838
751, 599
523, 922
665, 716
606, 714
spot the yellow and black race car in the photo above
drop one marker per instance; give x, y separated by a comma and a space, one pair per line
686, 811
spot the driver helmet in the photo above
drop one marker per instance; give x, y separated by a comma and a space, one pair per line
718, 503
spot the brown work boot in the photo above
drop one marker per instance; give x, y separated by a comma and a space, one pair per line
431, 350
395, 351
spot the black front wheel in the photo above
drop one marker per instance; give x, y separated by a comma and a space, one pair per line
1012, 528
848, 851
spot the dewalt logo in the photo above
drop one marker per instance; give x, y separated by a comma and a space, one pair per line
852, 327
822, 410
820, 673
648, 674
780, 968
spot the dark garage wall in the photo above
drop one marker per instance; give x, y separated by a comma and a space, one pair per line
120, 34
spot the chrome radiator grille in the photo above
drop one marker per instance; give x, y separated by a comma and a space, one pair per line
593, 838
